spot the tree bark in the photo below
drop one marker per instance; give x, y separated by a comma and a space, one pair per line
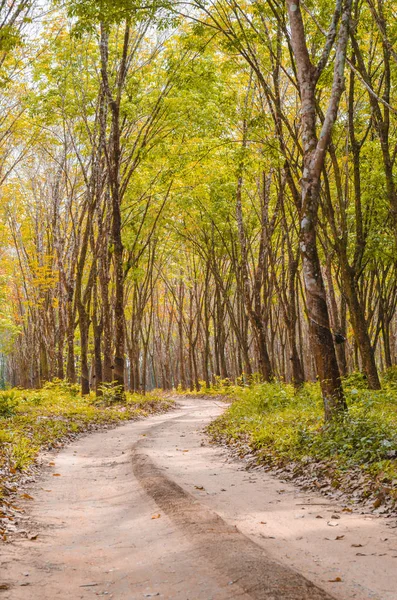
314, 156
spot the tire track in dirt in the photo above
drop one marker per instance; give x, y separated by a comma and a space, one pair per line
221, 544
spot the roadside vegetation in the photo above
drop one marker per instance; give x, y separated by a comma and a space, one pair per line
33, 420
283, 428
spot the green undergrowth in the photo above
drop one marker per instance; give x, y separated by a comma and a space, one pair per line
218, 387
31, 420
282, 426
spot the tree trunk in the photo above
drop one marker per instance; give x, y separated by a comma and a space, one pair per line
84, 326
319, 326
360, 328
97, 332
70, 366
314, 151
61, 342
335, 322
118, 372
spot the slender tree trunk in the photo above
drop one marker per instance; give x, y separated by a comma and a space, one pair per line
97, 328
114, 154
360, 328
314, 156
321, 338
70, 366
298, 376
335, 322
44, 372
107, 329
84, 325
61, 343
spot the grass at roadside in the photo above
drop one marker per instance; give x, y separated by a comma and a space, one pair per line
285, 429
31, 420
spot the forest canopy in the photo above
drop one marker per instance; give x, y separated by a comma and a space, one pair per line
197, 192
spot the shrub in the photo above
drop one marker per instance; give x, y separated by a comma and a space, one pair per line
355, 380
110, 393
284, 425
390, 376
63, 386
8, 403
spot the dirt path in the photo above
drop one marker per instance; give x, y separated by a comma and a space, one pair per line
150, 510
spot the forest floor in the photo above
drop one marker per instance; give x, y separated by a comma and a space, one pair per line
152, 509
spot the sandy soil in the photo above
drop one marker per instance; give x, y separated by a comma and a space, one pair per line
149, 509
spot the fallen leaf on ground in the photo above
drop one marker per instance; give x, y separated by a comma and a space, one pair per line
199, 487
339, 537
378, 501
51, 464
336, 580
56, 474
27, 496
156, 516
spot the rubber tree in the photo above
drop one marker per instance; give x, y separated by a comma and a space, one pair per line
314, 153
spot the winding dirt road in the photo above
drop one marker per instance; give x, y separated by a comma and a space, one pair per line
149, 509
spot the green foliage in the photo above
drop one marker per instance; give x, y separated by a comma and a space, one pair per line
91, 12
8, 403
220, 387
109, 393
357, 380
146, 402
284, 426
22, 453
10, 37
390, 377
56, 385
